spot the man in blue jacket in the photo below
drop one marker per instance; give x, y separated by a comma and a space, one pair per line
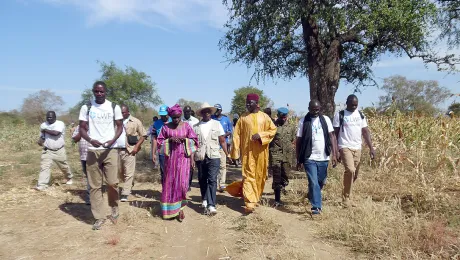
228, 129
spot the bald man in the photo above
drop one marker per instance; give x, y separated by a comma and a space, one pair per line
315, 146
52, 139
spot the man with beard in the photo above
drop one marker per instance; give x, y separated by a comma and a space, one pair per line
253, 132
315, 144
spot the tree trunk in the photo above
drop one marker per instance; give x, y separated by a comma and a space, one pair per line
323, 66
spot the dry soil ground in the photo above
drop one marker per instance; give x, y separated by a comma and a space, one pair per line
56, 224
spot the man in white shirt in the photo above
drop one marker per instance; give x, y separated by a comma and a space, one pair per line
52, 139
101, 135
349, 126
315, 145
192, 121
211, 136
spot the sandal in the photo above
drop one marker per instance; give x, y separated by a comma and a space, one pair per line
181, 216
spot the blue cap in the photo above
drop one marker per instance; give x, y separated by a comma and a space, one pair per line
218, 106
163, 110
283, 111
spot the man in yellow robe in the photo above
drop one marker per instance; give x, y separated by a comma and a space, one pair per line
253, 132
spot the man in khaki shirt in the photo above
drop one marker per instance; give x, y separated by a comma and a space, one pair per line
135, 135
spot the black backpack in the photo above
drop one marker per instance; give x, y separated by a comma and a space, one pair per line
342, 114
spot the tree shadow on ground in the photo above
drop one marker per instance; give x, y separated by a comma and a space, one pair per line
79, 211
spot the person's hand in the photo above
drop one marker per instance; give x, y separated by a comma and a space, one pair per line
255, 137
338, 158
96, 143
372, 153
228, 134
192, 164
135, 150
298, 166
154, 159
334, 161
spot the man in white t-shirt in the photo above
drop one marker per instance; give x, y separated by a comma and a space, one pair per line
315, 145
101, 117
211, 136
52, 139
349, 125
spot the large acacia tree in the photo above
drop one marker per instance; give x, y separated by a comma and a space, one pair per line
326, 40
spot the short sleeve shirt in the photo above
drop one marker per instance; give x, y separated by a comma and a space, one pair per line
54, 142
350, 134
318, 151
100, 121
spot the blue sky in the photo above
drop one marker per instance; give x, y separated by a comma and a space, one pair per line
54, 44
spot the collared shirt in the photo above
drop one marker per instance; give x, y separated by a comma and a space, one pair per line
226, 124
192, 121
82, 144
53, 142
133, 127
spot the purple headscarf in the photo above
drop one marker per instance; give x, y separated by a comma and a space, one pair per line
175, 110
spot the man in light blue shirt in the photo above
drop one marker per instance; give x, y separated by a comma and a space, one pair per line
228, 129
154, 132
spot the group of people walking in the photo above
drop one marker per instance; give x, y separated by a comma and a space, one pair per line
109, 138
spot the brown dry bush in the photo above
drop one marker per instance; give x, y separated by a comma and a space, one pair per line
406, 198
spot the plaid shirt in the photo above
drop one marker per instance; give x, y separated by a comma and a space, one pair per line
82, 145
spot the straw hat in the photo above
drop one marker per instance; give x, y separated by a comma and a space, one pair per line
205, 105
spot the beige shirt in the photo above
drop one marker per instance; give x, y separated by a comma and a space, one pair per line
134, 127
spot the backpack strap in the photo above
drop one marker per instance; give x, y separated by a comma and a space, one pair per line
341, 115
361, 114
88, 106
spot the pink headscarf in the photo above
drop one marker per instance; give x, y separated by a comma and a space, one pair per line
175, 110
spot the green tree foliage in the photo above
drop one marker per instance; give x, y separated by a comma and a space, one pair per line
239, 100
128, 86
193, 104
449, 17
327, 41
418, 96
35, 106
455, 107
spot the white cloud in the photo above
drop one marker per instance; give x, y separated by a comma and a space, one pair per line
156, 13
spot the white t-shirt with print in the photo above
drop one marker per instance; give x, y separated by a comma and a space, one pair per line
206, 127
318, 143
53, 142
101, 121
351, 136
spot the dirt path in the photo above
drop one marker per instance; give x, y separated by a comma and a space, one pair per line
56, 224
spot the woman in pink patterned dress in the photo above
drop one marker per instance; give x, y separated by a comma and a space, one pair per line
173, 137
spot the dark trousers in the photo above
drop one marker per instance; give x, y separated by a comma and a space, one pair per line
161, 158
208, 169
191, 178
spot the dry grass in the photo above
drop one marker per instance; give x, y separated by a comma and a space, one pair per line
407, 199
261, 237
